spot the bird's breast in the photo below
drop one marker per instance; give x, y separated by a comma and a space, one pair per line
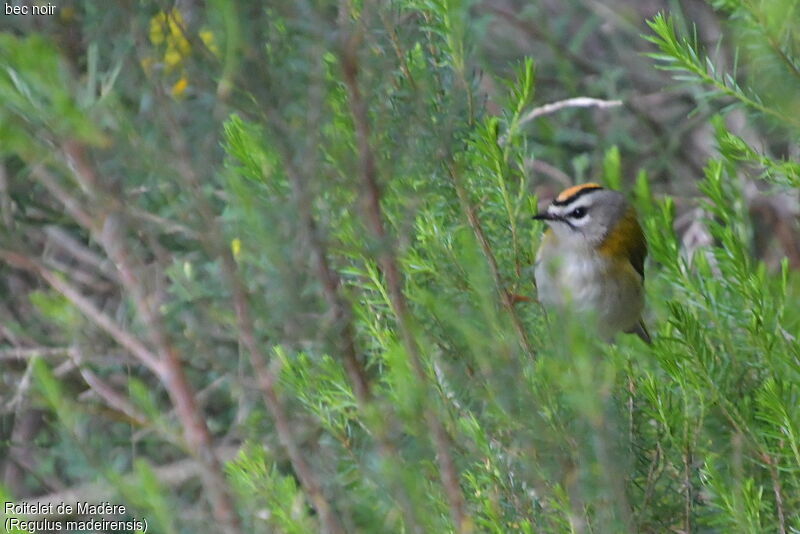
583, 280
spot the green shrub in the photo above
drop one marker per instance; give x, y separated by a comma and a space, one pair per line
336, 280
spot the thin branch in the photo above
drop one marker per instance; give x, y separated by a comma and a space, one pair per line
577, 102
27, 423
27, 353
85, 278
112, 237
346, 338
653, 474
22, 388
106, 391
331, 288
374, 221
299, 171
71, 204
172, 475
538, 165
258, 358
267, 380
687, 489
65, 241
6, 204
505, 297
778, 491
774, 43
87, 308
169, 226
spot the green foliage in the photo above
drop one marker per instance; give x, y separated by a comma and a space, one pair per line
684, 57
37, 92
54, 395
55, 308
280, 502
337, 176
727, 324
146, 493
612, 171
778, 171
769, 40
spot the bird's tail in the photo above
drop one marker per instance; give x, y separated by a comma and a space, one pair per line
641, 330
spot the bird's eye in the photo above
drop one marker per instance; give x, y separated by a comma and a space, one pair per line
577, 213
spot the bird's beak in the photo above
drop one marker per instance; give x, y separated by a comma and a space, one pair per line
553, 218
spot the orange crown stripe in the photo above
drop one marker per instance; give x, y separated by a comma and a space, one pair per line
570, 192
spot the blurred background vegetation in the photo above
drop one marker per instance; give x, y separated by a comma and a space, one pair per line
259, 264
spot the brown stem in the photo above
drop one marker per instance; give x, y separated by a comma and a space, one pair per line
653, 474
71, 204
62, 239
332, 287
374, 221
111, 396
171, 475
688, 493
27, 424
777, 490
505, 297
264, 375
112, 237
87, 308
266, 381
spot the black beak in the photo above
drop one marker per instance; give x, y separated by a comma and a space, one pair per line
558, 218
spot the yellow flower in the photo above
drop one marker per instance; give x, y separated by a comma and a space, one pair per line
158, 27
167, 32
236, 247
207, 36
67, 13
147, 65
172, 58
180, 86
168, 29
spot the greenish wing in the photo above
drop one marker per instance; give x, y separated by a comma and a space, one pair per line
639, 251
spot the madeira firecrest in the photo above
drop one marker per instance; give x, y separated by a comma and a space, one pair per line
592, 259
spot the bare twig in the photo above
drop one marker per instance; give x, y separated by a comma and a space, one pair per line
85, 278
267, 380
577, 102
331, 289
6, 205
112, 397
777, 490
65, 241
21, 389
109, 230
551, 171
87, 308
346, 339
505, 297
169, 226
19, 454
258, 358
173, 474
70, 203
653, 473
299, 172
374, 221
27, 353
688, 489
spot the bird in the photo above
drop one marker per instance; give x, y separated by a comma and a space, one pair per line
591, 259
